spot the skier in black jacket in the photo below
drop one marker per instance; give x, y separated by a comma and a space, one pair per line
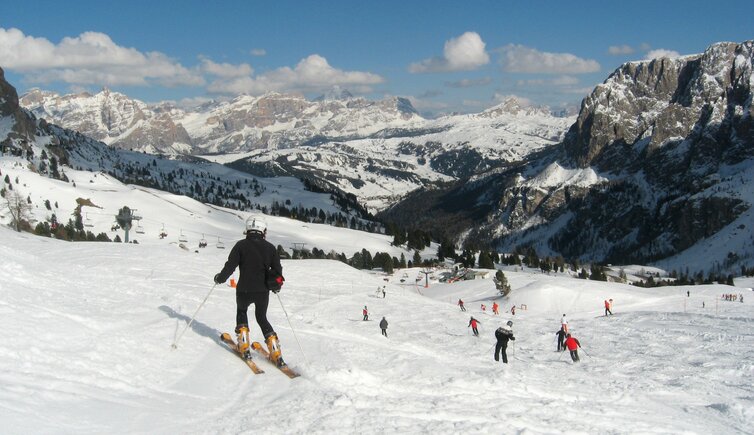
254, 257
561, 338
383, 326
503, 334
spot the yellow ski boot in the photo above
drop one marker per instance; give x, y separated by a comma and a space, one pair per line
274, 349
242, 335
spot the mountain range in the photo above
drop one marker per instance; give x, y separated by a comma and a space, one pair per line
657, 166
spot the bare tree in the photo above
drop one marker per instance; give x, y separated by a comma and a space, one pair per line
18, 208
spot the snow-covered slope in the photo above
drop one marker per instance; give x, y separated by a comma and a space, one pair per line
185, 220
86, 332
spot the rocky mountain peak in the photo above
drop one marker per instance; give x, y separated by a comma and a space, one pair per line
664, 99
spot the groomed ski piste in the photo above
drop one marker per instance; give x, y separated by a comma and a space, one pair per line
86, 331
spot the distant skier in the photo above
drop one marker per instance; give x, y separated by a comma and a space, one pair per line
365, 312
460, 304
495, 307
484, 307
607, 308
503, 334
573, 346
383, 326
561, 338
688, 293
564, 323
473, 323
513, 310
254, 257
383, 292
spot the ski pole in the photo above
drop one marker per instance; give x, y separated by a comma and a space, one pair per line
582, 349
562, 352
175, 343
292, 330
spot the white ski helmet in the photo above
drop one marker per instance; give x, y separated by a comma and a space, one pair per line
257, 224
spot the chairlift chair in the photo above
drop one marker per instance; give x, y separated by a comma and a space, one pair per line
182, 238
163, 233
220, 244
203, 242
139, 228
88, 222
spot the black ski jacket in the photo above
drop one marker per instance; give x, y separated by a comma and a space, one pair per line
253, 256
503, 335
383, 324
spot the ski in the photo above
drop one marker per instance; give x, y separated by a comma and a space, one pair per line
226, 338
257, 346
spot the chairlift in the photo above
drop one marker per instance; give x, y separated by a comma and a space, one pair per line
182, 238
115, 226
203, 242
220, 244
139, 228
88, 222
163, 233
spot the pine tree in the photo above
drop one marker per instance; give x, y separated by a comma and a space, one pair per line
501, 283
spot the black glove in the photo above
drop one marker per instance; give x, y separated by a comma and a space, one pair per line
217, 279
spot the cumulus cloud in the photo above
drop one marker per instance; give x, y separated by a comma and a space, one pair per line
258, 52
225, 70
617, 50
661, 52
312, 73
521, 59
464, 53
90, 58
469, 83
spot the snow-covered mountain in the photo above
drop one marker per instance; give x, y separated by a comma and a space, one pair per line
659, 166
242, 124
67, 157
377, 151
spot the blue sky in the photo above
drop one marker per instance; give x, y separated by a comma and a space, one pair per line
446, 56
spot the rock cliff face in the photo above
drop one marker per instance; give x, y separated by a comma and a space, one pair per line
659, 161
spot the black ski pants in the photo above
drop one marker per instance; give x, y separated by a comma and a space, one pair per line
575, 355
260, 300
463, 308
384, 332
501, 348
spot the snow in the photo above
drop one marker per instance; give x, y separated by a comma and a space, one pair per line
86, 332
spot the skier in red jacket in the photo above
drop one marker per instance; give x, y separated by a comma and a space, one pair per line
608, 306
473, 322
365, 313
573, 346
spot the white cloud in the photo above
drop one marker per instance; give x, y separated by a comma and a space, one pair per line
312, 73
522, 59
558, 81
90, 58
617, 50
464, 53
469, 83
225, 70
661, 52
258, 52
